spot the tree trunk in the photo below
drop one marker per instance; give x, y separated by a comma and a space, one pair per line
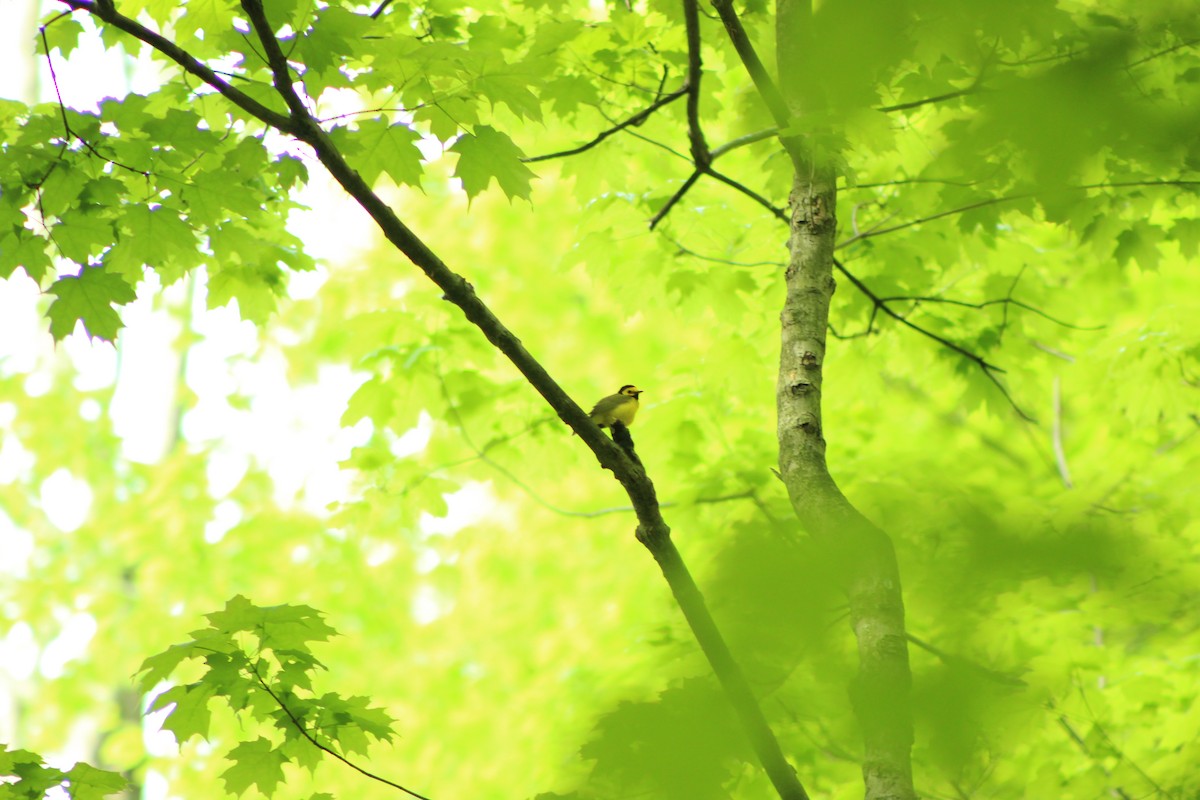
862, 555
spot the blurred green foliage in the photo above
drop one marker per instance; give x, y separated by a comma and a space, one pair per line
1035, 152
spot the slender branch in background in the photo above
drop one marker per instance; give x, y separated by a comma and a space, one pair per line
776, 212
643, 137
636, 119
1060, 454
989, 369
951, 660
754, 66
697, 146
975, 87
62, 109
1005, 301
906, 181
928, 100
661, 214
1163, 52
1111, 747
1036, 60
685, 251
991, 201
742, 141
1045, 348
299, 726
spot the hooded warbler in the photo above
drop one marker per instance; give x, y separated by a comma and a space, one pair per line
620, 407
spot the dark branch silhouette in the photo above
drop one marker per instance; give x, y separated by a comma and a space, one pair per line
323, 747
941, 98
636, 119
71, 133
990, 370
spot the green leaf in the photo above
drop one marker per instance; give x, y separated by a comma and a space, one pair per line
81, 234
255, 293
568, 92
283, 627
88, 783
159, 667
512, 89
33, 778
255, 763
88, 298
489, 153
20, 248
1187, 233
1139, 242
390, 149
190, 715
63, 34
157, 237
355, 712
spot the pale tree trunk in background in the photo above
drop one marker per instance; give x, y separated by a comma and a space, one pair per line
861, 554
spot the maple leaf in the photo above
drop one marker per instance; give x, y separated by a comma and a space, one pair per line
255, 763
89, 298
487, 154
89, 783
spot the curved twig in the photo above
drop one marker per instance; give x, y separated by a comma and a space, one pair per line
636, 119
325, 748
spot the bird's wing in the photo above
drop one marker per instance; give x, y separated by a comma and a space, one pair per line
606, 404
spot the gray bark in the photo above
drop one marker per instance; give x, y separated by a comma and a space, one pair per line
861, 554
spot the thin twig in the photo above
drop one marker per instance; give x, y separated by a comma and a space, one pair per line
686, 251
991, 201
1056, 436
1005, 301
325, 748
777, 212
62, 108
958, 661
742, 141
929, 100
636, 119
675, 198
989, 369
1166, 51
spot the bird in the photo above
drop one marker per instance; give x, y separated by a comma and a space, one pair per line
620, 407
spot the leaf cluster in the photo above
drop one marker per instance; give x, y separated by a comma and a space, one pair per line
258, 661
26, 776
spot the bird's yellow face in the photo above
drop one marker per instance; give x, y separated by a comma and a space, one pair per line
629, 391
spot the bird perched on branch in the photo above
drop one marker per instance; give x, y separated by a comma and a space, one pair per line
620, 407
